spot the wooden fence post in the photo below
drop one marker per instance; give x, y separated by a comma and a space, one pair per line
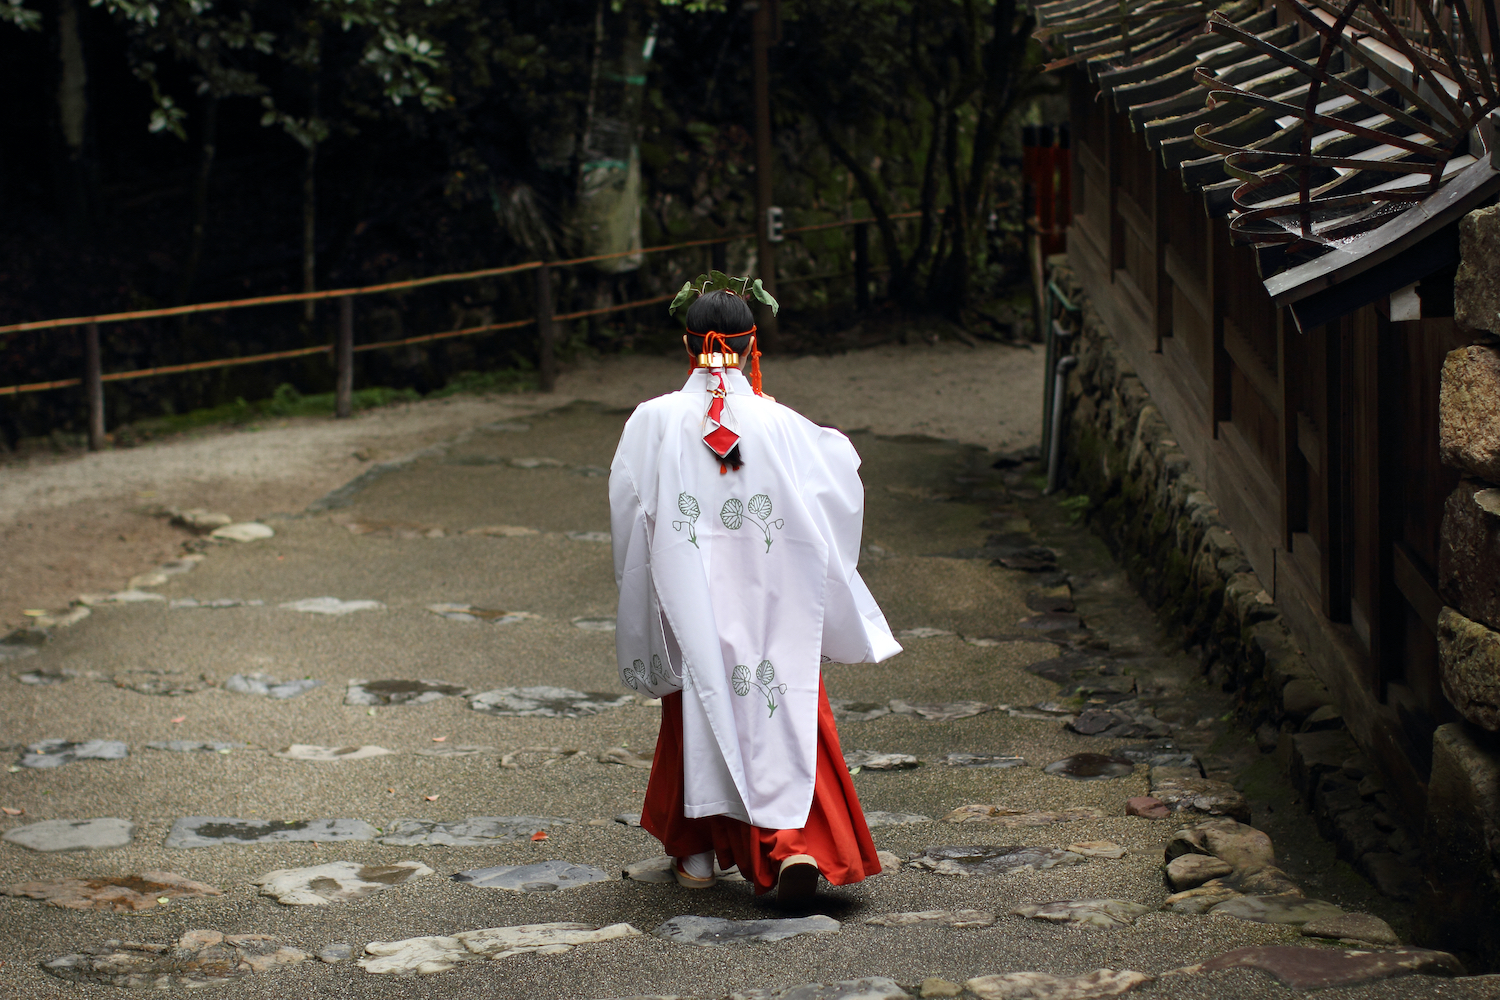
862, 266
718, 255
545, 334
93, 386
343, 359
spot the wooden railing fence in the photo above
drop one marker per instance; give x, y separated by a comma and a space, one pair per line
343, 348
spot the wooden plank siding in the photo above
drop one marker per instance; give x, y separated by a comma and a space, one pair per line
1320, 447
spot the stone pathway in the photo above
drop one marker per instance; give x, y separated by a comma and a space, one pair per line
1064, 808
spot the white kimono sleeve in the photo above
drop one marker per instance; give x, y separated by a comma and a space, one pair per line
648, 658
854, 629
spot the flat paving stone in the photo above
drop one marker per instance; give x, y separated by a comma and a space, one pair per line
1107, 849
922, 632
544, 876
1192, 870
1189, 794
597, 537
868, 988
1162, 753
946, 712
1012, 818
659, 870
245, 531
190, 603
1365, 927
336, 882
708, 931
1042, 986
1324, 968
470, 613
217, 831
1276, 909
401, 692
199, 958
628, 758
458, 750
993, 760
874, 760
877, 818
113, 893
269, 687
1091, 767
934, 918
335, 953
546, 702
197, 746
845, 710
311, 751
992, 859
72, 834
476, 831
164, 683
330, 606
594, 624
1100, 913
429, 955
56, 753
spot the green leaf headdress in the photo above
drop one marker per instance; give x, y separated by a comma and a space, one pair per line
715, 281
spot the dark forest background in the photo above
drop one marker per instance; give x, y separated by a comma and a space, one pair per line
178, 151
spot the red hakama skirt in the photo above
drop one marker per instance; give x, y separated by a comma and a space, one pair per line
835, 833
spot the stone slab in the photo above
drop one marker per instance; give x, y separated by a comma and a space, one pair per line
269, 687
336, 882
1324, 968
1286, 909
1012, 818
476, 831
330, 606
428, 955
1469, 551
876, 818
1103, 914
72, 834
992, 859
217, 831
310, 751
56, 753
546, 702
945, 712
199, 958
873, 760
197, 746
1091, 767
544, 876
1469, 662
399, 691
1042, 986
113, 893
1469, 398
934, 918
992, 760
868, 988
1362, 927
709, 931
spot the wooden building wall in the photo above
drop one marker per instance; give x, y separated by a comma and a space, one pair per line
1320, 447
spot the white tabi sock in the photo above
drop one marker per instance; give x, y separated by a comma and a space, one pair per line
699, 865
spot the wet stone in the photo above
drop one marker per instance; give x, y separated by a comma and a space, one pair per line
1101, 913
330, 606
545, 876
469, 613
845, 710
1052, 621
943, 712
1091, 767
869, 988
871, 760
199, 958
72, 834
429, 955
1182, 794
1285, 909
1323, 968
876, 818
56, 753
1012, 818
1192, 870
934, 918
546, 702
269, 687
335, 953
1107, 849
1146, 807
309, 751
401, 692
213, 831
168, 683
982, 760
337, 882
1041, 986
476, 831
1116, 723
196, 746
705, 931
114, 893
1162, 753
989, 859
247, 531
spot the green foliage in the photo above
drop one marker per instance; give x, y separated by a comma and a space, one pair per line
1075, 507
499, 380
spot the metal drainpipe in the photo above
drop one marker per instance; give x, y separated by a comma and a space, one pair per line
1054, 450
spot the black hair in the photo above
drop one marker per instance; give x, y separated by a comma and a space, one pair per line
724, 312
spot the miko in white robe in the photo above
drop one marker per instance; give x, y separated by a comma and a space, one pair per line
735, 585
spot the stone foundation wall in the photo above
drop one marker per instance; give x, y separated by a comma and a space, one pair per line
1151, 508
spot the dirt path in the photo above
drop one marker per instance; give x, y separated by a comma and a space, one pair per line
86, 523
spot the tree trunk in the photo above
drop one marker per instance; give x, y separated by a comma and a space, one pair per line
310, 213
200, 199
72, 114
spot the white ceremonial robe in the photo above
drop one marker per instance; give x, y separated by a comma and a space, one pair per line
735, 587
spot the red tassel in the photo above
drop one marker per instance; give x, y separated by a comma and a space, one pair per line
723, 468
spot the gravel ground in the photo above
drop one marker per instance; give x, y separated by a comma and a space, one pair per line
926, 497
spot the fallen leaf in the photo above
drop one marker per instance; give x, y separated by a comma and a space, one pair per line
163, 900
439, 739
539, 835
391, 790
430, 798
370, 712
180, 718
13, 812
